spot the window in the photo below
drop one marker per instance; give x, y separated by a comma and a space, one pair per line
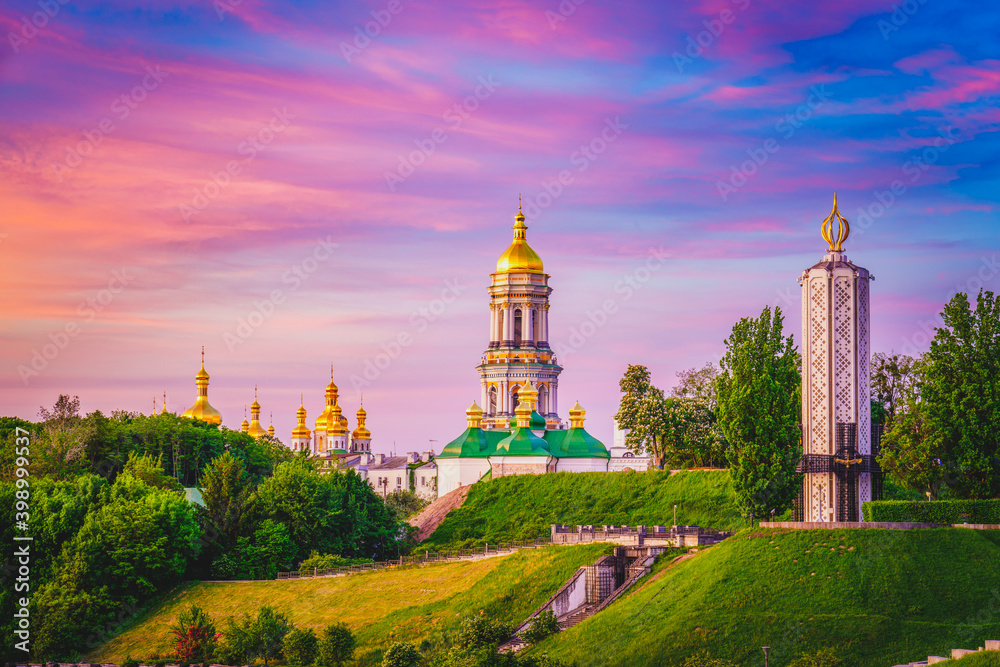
514, 400
492, 409
517, 328
423, 481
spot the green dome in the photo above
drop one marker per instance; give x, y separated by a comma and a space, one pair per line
522, 442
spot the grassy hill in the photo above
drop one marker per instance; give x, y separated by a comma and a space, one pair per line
523, 506
882, 597
417, 605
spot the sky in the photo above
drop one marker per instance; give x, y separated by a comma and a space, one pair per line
298, 184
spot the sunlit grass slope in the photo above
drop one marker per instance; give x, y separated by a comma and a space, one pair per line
414, 605
523, 506
883, 597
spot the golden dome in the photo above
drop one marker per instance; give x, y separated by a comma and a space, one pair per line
361, 432
474, 415
577, 415
245, 426
519, 257
301, 430
202, 409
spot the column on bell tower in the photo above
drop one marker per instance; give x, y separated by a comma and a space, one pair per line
836, 382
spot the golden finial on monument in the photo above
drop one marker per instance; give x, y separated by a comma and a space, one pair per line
836, 242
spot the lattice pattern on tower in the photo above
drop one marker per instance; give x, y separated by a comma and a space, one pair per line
864, 372
843, 351
818, 323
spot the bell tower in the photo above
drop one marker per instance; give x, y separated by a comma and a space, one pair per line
518, 353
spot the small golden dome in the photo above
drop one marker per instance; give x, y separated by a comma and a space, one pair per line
202, 409
519, 257
361, 432
474, 415
301, 431
577, 415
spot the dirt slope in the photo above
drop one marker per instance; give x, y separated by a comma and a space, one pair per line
434, 514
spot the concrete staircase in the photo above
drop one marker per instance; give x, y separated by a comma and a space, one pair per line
577, 600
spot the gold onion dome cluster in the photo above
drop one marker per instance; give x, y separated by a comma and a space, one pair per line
519, 256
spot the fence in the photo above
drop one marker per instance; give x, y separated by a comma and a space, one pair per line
423, 559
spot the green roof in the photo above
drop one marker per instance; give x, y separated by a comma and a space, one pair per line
471, 444
522, 442
576, 443
537, 421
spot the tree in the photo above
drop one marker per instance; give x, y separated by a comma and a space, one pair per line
247, 637
269, 550
300, 647
59, 451
962, 394
336, 645
892, 376
402, 654
404, 503
196, 635
541, 626
225, 490
911, 447
759, 412
642, 412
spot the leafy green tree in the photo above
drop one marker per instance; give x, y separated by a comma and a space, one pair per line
138, 542
892, 378
196, 635
402, 654
541, 626
300, 647
67, 614
59, 451
149, 470
249, 637
643, 413
404, 503
225, 490
759, 412
962, 394
911, 447
336, 645
267, 552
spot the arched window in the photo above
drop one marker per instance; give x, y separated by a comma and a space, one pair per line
514, 399
517, 327
492, 405
543, 400
500, 332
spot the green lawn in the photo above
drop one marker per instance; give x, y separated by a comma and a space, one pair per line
523, 506
882, 597
423, 604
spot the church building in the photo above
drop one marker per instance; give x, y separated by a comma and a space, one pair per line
518, 429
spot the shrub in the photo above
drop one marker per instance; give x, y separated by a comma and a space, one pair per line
936, 511
336, 646
704, 660
480, 630
402, 654
196, 635
261, 637
541, 626
300, 647
320, 561
824, 658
